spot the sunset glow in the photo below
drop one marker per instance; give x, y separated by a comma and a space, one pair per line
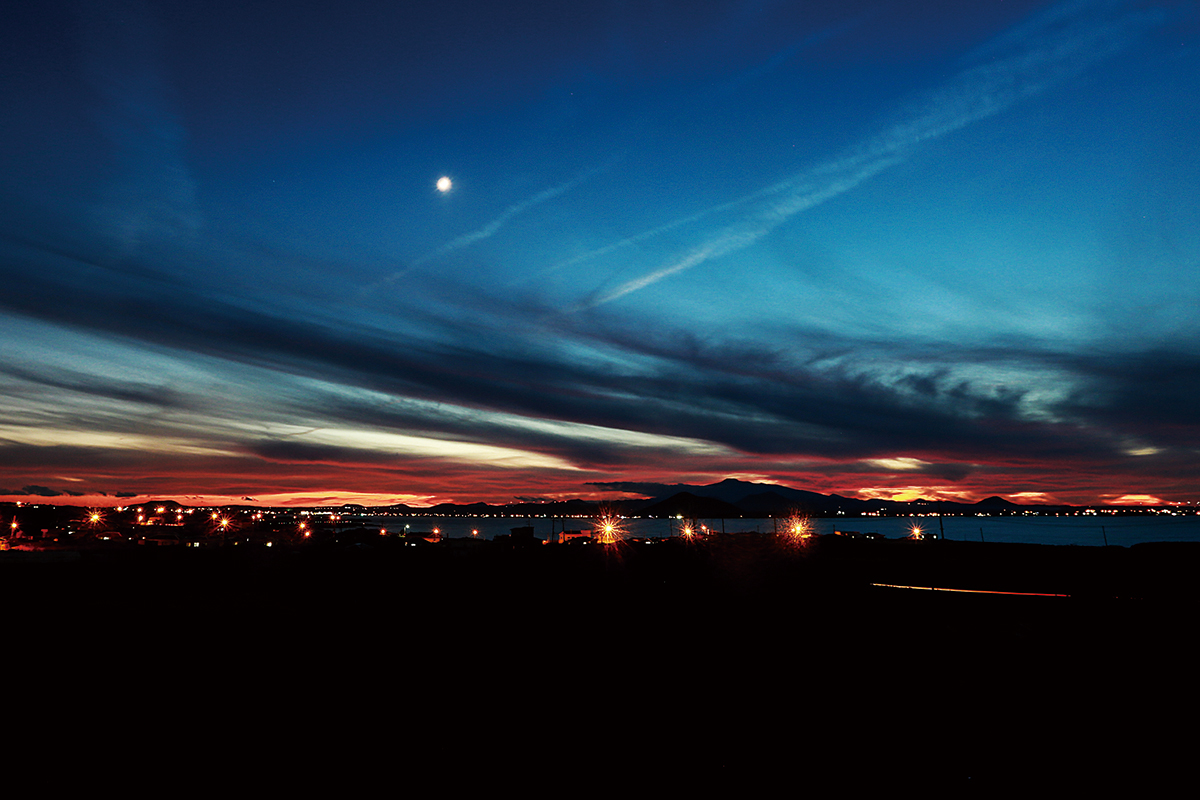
395, 253
1135, 500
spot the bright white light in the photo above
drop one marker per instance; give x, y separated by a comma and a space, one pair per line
443, 184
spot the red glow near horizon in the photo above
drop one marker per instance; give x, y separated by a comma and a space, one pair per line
197, 483
1136, 500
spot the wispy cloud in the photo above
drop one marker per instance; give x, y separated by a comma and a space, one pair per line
745, 233
493, 227
1044, 51
153, 198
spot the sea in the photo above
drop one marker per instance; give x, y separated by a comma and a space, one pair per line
1085, 530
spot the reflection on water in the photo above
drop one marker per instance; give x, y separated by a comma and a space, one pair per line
1089, 530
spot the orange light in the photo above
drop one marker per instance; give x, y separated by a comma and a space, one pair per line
610, 530
797, 530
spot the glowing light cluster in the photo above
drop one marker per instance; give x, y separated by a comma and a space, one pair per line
609, 530
796, 530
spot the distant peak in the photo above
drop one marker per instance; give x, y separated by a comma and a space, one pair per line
996, 500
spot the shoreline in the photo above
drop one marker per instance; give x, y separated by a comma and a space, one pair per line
748, 562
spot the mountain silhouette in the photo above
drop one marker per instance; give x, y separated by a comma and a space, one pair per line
691, 506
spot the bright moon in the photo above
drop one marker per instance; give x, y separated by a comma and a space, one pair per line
443, 184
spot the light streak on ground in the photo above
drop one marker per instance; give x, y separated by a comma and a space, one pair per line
969, 591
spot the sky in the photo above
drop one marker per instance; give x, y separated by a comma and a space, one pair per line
879, 249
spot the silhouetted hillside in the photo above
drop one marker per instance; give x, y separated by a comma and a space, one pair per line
690, 506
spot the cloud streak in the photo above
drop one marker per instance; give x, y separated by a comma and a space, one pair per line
154, 197
743, 234
710, 404
1052, 47
493, 227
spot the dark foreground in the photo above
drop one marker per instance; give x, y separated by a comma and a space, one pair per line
736, 666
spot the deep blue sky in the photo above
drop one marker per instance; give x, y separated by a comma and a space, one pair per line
885, 248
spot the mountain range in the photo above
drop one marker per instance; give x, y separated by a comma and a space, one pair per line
729, 499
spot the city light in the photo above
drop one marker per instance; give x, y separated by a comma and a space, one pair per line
608, 530
796, 530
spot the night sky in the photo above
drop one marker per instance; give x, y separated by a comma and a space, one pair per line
883, 249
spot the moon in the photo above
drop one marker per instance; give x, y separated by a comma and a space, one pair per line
444, 184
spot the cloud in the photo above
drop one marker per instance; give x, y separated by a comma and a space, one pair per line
41, 491
736, 237
647, 489
493, 227
153, 197
60, 380
488, 376
292, 452
751, 398
1050, 48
